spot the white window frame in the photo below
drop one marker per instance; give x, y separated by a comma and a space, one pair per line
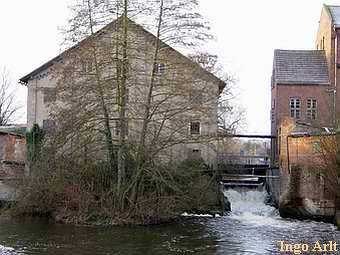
295, 107
312, 106
159, 68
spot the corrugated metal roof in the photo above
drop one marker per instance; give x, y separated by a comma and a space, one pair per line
334, 11
301, 67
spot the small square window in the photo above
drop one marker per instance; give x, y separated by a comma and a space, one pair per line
159, 68
195, 128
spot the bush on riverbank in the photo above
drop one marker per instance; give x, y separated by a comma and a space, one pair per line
85, 192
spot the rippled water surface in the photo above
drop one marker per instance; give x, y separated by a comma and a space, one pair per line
252, 228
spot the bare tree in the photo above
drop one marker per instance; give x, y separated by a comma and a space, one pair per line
8, 107
231, 116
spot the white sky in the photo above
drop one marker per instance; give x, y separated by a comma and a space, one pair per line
247, 33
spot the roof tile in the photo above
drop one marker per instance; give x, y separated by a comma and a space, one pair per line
301, 67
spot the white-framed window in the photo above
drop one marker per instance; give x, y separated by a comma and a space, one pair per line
159, 68
311, 108
195, 128
295, 108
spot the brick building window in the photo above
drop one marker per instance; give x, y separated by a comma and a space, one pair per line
195, 128
295, 108
311, 108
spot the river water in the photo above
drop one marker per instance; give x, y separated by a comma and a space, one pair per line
251, 228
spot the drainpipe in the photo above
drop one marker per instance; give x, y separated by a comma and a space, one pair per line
335, 76
337, 198
36, 101
288, 160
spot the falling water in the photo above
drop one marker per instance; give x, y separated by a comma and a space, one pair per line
249, 206
252, 201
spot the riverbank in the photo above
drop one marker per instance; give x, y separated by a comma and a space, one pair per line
72, 218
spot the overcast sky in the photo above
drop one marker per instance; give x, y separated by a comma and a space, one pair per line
247, 33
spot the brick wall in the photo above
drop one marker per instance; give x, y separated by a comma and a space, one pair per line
12, 148
301, 172
281, 95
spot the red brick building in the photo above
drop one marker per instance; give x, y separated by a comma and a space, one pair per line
306, 83
300, 89
306, 99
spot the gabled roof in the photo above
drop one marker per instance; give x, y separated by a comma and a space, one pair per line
334, 12
307, 67
26, 78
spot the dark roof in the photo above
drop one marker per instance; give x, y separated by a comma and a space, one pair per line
301, 67
26, 78
334, 12
13, 130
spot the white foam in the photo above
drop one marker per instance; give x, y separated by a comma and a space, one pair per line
249, 207
185, 214
5, 248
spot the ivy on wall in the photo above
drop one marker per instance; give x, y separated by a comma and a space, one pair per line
34, 140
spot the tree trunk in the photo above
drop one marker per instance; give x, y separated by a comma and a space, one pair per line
122, 106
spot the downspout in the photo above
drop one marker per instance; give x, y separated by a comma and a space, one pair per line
335, 75
36, 101
288, 160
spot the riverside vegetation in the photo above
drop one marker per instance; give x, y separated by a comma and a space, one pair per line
84, 192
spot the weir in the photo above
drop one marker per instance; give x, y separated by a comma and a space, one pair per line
249, 203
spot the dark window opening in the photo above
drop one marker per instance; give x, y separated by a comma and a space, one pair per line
195, 128
159, 68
